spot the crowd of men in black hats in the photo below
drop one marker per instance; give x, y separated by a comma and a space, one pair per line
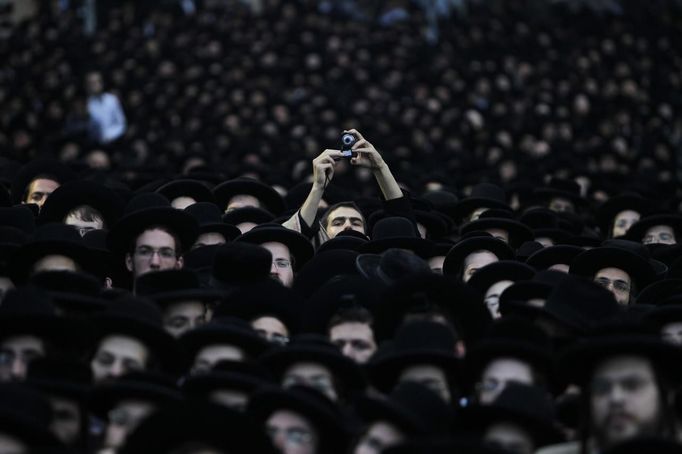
193, 260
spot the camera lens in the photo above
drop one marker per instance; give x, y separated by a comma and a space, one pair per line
348, 139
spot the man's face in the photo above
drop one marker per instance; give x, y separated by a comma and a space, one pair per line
436, 264
209, 239
271, 329
155, 250
66, 421
492, 297
94, 84
380, 435
561, 205
282, 268
623, 221
500, 372
314, 375
241, 201
16, 352
475, 261
617, 282
432, 377
355, 340
39, 190
118, 355
510, 437
672, 333
210, 355
123, 418
659, 234
344, 218
291, 433
625, 400
180, 317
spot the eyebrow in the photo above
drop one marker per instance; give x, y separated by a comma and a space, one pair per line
352, 218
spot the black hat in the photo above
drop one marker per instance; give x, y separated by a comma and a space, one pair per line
224, 330
60, 376
518, 232
413, 408
210, 220
443, 446
271, 200
503, 270
82, 192
646, 444
483, 195
330, 426
244, 376
516, 297
391, 266
194, 189
35, 168
527, 249
71, 292
351, 240
248, 214
171, 286
26, 415
139, 319
312, 348
460, 251
20, 217
323, 267
104, 263
561, 254
395, 232
637, 231
608, 210
300, 247
211, 426
146, 386
49, 239
659, 291
416, 342
240, 263
560, 187
528, 406
147, 210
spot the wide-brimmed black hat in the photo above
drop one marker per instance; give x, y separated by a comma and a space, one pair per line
146, 386
248, 214
60, 376
518, 232
195, 189
210, 220
49, 239
299, 246
395, 232
413, 408
529, 407
351, 240
391, 266
312, 348
466, 246
35, 168
71, 292
20, 217
171, 286
483, 195
527, 249
332, 431
271, 200
104, 263
196, 423
660, 290
246, 376
146, 210
637, 231
82, 192
416, 342
503, 270
561, 254
224, 331
140, 319
515, 298
239, 263
639, 268
608, 210
560, 187
323, 267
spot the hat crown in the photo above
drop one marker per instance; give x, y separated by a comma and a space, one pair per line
145, 201
27, 302
530, 401
424, 335
134, 308
18, 217
240, 262
394, 227
60, 370
58, 232
205, 213
488, 191
67, 282
164, 281
581, 302
562, 184
12, 235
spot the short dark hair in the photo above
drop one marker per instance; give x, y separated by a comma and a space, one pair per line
86, 213
163, 228
325, 217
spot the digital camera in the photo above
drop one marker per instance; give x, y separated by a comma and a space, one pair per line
347, 142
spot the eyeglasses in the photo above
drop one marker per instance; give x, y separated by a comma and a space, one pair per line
601, 387
619, 285
292, 436
148, 252
282, 263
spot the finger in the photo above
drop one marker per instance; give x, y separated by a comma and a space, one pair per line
362, 143
330, 152
365, 150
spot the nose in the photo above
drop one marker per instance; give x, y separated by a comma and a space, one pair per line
18, 369
116, 369
347, 350
156, 260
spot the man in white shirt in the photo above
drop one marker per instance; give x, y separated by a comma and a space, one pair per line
106, 114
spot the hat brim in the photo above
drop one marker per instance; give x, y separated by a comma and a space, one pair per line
518, 232
196, 339
273, 202
299, 246
455, 257
419, 246
588, 263
637, 231
384, 371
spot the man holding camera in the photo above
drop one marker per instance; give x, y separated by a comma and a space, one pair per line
346, 215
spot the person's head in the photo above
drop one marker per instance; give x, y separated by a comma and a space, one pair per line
313, 375
39, 189
351, 330
475, 261
492, 296
659, 234
209, 239
209, 355
292, 433
672, 332
627, 399
94, 84
271, 329
498, 373
85, 218
617, 282
561, 205
622, 222
379, 435
431, 376
182, 316
68, 419
155, 249
16, 352
343, 216
282, 267
54, 262
242, 201
117, 355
